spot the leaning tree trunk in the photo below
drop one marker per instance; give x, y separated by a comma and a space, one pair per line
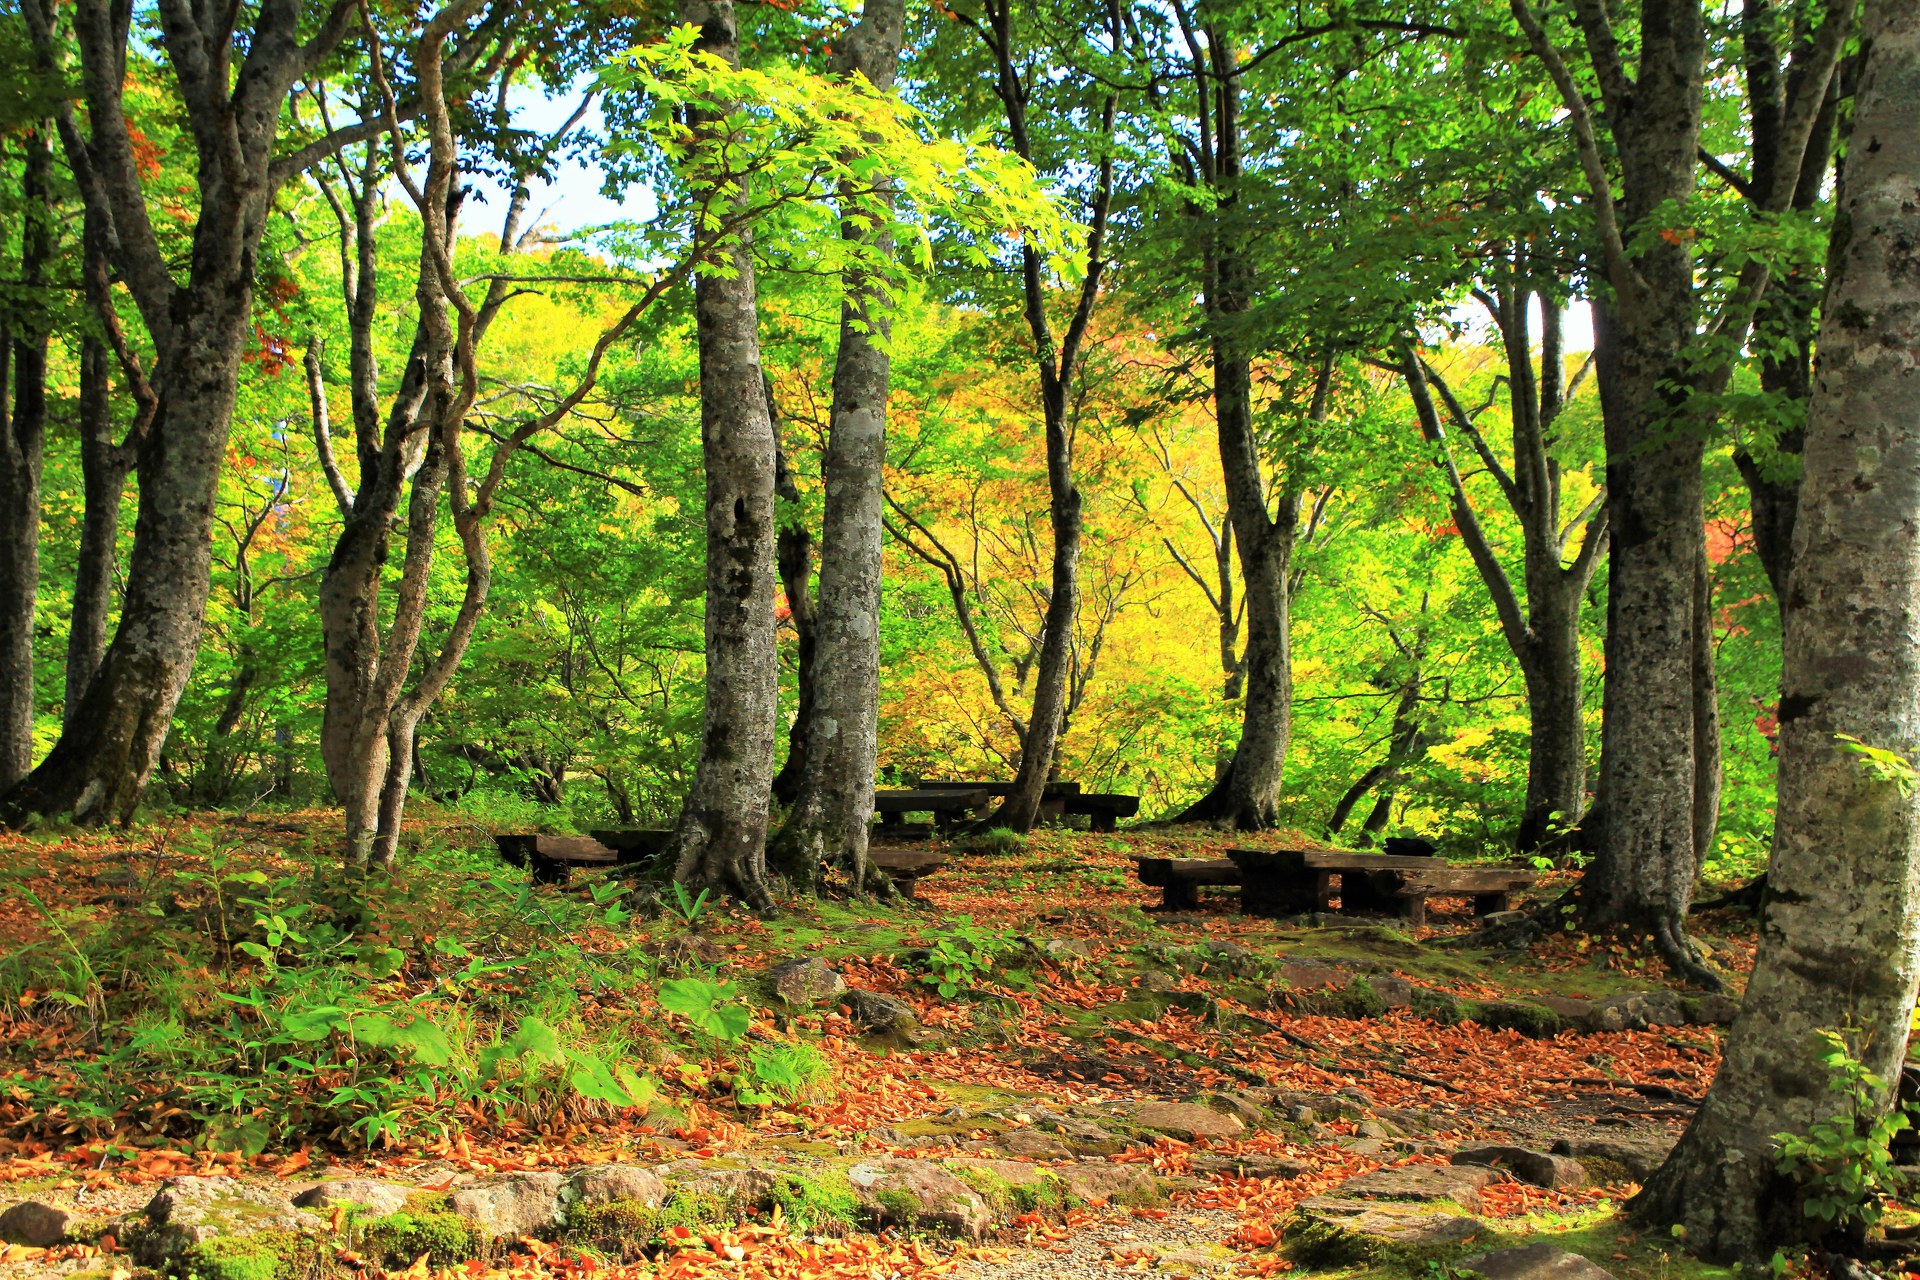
722, 835
23, 434
103, 478
1556, 728
835, 797
1840, 942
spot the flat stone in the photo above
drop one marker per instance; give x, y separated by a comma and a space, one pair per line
1247, 1166
1571, 1008
1712, 1010
917, 1193
1531, 1262
36, 1225
1157, 982
596, 1184
1035, 1144
740, 1185
1067, 949
1096, 1184
1334, 1231
1555, 1173
1313, 975
878, 1012
1187, 1121
1234, 1103
1637, 1157
518, 1204
1460, 1184
1637, 1011
805, 981
1017, 1173
378, 1198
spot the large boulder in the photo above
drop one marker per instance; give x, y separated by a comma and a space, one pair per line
1187, 1120
805, 981
918, 1193
192, 1210
514, 1205
36, 1225
376, 1197
1531, 1262
1555, 1173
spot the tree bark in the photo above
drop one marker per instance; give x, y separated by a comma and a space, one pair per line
98, 769
722, 834
834, 801
23, 434
793, 558
1840, 941
103, 476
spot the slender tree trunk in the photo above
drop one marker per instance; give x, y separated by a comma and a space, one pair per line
793, 559
721, 840
1706, 717
23, 433
835, 797
1556, 727
1840, 940
103, 476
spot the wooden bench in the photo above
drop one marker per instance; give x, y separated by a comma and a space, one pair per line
1179, 879
1053, 796
1104, 808
948, 807
1284, 882
906, 866
552, 858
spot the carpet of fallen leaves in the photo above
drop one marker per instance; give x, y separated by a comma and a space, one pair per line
1470, 1081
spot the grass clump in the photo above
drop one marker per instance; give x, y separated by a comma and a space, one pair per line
995, 841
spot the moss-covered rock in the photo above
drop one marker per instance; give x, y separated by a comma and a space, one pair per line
1339, 1233
265, 1255
426, 1225
1529, 1019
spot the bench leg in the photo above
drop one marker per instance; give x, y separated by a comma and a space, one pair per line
1102, 822
1360, 894
548, 871
905, 885
1279, 896
1485, 904
1180, 895
1414, 911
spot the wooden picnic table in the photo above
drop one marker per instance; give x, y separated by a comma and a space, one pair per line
1286, 882
948, 806
907, 866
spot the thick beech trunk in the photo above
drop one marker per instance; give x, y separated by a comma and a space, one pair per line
1840, 940
232, 106
828, 825
1556, 724
23, 434
721, 840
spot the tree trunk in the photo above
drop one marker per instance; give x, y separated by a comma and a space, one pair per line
103, 476
793, 558
1840, 942
23, 433
1556, 728
112, 739
835, 797
721, 840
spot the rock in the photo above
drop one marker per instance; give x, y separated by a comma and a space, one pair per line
597, 1183
1035, 1144
879, 1013
518, 1204
189, 1210
1247, 1166
740, 1185
1405, 1119
1157, 982
1331, 1231
1300, 1113
1531, 1262
1370, 1148
1636, 1011
1096, 1184
1712, 1010
1177, 1261
1460, 1184
1635, 1157
1530, 1018
378, 1198
36, 1225
1371, 1129
805, 981
1067, 949
1555, 1173
1395, 993
916, 1193
1495, 919
1186, 1121
1234, 1103
1314, 975
1570, 1009
1231, 957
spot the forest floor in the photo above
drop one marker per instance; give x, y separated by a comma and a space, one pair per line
1105, 1089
